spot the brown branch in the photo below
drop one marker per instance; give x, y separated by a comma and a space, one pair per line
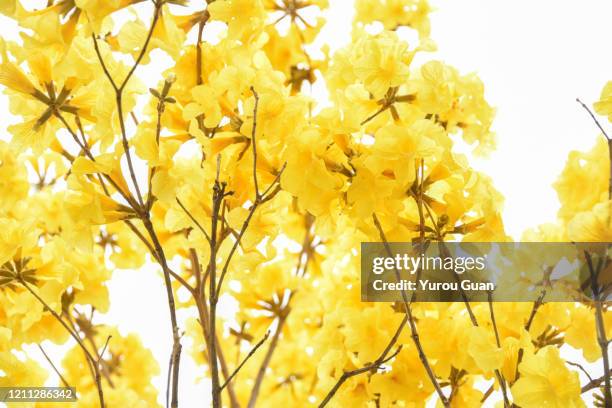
248, 356
600, 326
375, 114
267, 358
498, 374
534, 310
61, 377
254, 144
193, 219
119, 98
259, 197
581, 368
145, 46
413, 329
590, 112
104, 348
103, 64
487, 393
142, 209
176, 345
203, 320
89, 155
126, 149
348, 374
217, 199
595, 383
421, 177
266, 196
608, 138
283, 313
92, 362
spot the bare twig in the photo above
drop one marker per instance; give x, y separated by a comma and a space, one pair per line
217, 199
103, 64
608, 138
488, 393
534, 310
248, 356
595, 383
375, 114
590, 112
145, 46
254, 144
91, 360
282, 314
89, 155
193, 219
104, 348
348, 374
176, 345
259, 197
600, 326
581, 368
119, 96
61, 377
413, 328
266, 361
500, 377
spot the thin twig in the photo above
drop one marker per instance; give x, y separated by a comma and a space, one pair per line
581, 368
534, 310
104, 348
600, 326
176, 346
413, 328
103, 64
595, 383
248, 356
282, 317
88, 153
593, 117
348, 374
488, 393
61, 377
217, 199
92, 361
608, 138
498, 374
254, 144
193, 219
143, 51
266, 361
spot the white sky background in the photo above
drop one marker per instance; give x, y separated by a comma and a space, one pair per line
534, 57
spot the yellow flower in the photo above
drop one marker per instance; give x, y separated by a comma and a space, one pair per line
8, 7
14, 78
604, 105
244, 17
546, 382
592, 226
382, 62
25, 373
98, 10
581, 333
394, 13
584, 181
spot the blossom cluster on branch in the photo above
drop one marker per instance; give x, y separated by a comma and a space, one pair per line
238, 185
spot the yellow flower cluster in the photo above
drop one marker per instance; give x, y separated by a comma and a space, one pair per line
245, 192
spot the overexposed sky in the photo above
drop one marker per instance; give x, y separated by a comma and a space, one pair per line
534, 57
